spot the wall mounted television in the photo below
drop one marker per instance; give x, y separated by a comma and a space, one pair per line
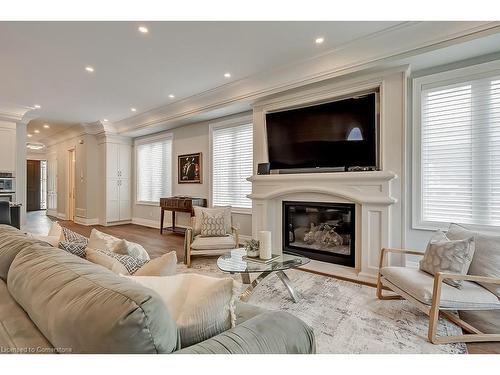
339, 134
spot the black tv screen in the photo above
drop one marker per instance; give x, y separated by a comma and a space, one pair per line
338, 134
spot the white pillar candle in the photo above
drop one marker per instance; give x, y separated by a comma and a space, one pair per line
265, 247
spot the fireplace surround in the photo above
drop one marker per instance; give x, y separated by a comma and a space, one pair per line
322, 231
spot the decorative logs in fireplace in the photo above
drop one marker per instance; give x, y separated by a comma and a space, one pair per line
321, 231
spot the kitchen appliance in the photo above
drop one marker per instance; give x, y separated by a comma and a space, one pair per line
7, 187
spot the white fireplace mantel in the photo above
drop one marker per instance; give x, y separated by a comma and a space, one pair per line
370, 191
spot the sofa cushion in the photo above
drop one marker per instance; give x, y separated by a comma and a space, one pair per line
213, 243
79, 305
12, 241
166, 265
486, 260
18, 334
202, 306
420, 285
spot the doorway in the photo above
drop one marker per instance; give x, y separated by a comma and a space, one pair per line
71, 184
36, 185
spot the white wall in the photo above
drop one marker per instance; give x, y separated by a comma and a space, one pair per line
186, 140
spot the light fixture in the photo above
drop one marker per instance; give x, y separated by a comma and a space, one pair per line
319, 40
227, 75
133, 109
37, 106
36, 131
46, 126
30, 135
143, 29
89, 69
105, 120
35, 145
171, 96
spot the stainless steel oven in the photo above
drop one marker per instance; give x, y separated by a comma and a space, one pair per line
7, 187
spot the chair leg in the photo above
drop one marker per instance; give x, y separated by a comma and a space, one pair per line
434, 311
188, 258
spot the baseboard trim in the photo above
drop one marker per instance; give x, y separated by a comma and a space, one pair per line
52, 213
60, 216
85, 221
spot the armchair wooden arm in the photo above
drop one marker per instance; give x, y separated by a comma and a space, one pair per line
397, 251
236, 233
476, 336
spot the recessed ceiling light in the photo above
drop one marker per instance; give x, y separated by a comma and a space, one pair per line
46, 126
37, 106
30, 135
227, 75
37, 131
143, 29
171, 96
133, 109
89, 69
105, 120
319, 40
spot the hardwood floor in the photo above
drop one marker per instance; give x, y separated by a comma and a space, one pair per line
157, 245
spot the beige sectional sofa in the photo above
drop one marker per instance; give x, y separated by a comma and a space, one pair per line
53, 301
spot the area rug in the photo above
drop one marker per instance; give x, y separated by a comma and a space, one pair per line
346, 317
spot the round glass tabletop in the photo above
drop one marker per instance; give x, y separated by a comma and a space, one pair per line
236, 262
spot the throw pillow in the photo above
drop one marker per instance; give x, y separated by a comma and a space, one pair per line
120, 264
444, 255
102, 241
70, 236
198, 213
212, 226
202, 306
135, 250
165, 265
486, 260
56, 231
75, 248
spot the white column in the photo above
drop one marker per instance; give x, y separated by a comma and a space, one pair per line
21, 168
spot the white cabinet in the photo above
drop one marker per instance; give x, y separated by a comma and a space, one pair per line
118, 192
7, 147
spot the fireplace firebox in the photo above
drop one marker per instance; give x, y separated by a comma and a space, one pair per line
320, 231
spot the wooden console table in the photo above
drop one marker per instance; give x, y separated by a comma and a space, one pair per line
179, 204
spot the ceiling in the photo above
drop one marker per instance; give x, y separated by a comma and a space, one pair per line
44, 62
44, 134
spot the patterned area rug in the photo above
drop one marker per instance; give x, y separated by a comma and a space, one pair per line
346, 317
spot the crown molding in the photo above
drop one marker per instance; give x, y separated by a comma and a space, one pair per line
13, 112
378, 49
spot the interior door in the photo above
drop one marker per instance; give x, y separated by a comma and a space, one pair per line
33, 184
71, 184
52, 183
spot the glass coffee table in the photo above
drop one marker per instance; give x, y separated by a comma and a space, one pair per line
233, 262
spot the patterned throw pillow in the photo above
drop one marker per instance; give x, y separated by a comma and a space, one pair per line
75, 248
130, 263
212, 226
70, 236
444, 255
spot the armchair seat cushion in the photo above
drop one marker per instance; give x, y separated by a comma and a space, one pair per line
419, 285
213, 243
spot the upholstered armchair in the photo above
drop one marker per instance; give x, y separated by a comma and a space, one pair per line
195, 244
433, 297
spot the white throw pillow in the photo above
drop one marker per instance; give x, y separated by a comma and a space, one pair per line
133, 249
198, 213
56, 231
166, 265
202, 306
102, 259
102, 241
54, 236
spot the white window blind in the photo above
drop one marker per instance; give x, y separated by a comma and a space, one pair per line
460, 152
154, 170
232, 164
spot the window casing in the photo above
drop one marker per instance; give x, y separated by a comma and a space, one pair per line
456, 166
153, 157
231, 164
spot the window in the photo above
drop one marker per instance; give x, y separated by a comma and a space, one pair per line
154, 168
232, 164
460, 150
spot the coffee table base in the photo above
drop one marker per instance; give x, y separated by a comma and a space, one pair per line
245, 296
